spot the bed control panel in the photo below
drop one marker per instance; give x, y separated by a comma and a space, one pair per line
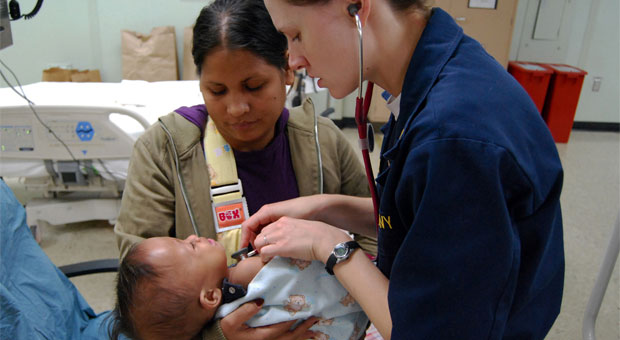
86, 131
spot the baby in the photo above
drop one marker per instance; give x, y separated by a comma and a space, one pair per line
170, 289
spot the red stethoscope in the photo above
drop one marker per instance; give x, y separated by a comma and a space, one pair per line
364, 129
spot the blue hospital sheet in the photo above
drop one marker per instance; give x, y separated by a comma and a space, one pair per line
37, 301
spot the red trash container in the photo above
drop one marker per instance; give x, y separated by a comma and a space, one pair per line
562, 98
534, 79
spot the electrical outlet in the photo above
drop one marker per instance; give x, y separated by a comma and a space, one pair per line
596, 84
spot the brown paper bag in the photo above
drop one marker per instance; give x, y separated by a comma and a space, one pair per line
85, 76
56, 74
150, 57
189, 69
64, 74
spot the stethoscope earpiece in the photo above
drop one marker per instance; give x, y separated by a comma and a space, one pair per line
353, 9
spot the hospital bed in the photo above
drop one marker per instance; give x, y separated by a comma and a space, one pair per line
79, 170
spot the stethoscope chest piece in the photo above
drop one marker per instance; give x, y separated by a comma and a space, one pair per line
370, 135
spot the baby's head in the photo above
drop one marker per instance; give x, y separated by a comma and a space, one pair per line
168, 288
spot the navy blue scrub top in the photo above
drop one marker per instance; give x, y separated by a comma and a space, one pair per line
470, 226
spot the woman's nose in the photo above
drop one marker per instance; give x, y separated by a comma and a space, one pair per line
296, 60
237, 107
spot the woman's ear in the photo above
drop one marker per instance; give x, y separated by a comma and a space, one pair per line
289, 76
359, 7
210, 298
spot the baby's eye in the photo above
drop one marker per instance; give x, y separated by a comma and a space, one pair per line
297, 37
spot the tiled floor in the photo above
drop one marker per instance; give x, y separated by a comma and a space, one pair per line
590, 202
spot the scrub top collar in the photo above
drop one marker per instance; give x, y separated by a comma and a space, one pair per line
393, 104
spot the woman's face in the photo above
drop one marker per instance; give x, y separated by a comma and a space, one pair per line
244, 96
323, 39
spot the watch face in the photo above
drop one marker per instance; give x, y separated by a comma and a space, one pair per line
341, 250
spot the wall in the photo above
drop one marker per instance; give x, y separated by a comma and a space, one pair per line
86, 34
600, 56
59, 34
140, 16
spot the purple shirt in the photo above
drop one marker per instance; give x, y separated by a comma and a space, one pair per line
267, 175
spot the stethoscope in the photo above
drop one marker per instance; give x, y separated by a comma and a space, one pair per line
364, 129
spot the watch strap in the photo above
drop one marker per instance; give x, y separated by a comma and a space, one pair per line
333, 260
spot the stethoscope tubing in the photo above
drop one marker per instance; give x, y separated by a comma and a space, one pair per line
362, 105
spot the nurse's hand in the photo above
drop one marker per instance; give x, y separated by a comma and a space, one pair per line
299, 239
234, 326
302, 207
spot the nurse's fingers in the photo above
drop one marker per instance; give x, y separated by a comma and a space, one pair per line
300, 207
253, 225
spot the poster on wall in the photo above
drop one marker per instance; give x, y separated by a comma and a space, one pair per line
489, 4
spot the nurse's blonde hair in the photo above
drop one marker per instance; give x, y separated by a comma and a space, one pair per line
398, 5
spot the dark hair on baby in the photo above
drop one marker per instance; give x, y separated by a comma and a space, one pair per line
138, 284
238, 24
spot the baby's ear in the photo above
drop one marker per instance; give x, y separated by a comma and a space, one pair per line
210, 298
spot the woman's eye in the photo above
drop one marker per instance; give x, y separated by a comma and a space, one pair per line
217, 93
253, 88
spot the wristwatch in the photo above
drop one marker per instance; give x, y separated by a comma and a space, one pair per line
341, 252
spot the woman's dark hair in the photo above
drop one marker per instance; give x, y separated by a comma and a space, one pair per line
238, 24
399, 5
166, 314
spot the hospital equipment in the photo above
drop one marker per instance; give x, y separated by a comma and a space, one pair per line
362, 106
6, 38
98, 123
81, 170
16, 13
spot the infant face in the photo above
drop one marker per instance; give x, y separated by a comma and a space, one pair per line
195, 260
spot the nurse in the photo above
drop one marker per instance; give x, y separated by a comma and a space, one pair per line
470, 226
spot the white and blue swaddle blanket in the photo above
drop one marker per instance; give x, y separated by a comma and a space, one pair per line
296, 290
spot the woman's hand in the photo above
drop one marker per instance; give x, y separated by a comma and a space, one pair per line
354, 214
299, 239
234, 326
302, 207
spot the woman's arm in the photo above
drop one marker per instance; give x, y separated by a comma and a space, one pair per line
369, 288
312, 240
147, 207
354, 214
